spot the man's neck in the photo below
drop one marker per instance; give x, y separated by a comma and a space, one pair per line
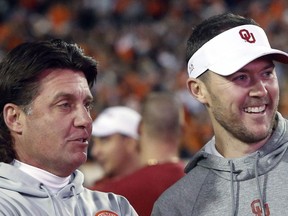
52, 182
153, 152
234, 148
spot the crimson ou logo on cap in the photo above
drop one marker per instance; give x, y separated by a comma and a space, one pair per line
247, 36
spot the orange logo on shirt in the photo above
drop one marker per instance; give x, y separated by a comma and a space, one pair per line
106, 213
257, 210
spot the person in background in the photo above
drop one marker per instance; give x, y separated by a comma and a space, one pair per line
115, 142
243, 169
160, 132
45, 125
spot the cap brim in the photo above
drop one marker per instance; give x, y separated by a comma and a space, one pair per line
239, 58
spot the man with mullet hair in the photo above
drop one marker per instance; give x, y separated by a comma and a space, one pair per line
45, 125
243, 169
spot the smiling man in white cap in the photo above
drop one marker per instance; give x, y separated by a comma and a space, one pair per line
115, 141
243, 169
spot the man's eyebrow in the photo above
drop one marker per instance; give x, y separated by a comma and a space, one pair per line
71, 96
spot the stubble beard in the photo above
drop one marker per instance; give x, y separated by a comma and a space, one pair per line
237, 128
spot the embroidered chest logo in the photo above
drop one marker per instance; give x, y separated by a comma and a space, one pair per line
106, 213
256, 208
247, 36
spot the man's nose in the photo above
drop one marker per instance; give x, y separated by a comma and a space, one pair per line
258, 89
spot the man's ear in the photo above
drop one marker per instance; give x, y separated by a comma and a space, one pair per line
11, 114
197, 89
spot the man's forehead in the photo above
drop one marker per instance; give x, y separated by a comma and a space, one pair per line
64, 83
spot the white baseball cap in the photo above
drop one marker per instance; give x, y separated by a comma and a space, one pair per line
118, 119
231, 50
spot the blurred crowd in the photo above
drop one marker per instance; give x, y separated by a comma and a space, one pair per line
139, 44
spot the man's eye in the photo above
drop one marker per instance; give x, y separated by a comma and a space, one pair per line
65, 105
268, 74
240, 77
89, 106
